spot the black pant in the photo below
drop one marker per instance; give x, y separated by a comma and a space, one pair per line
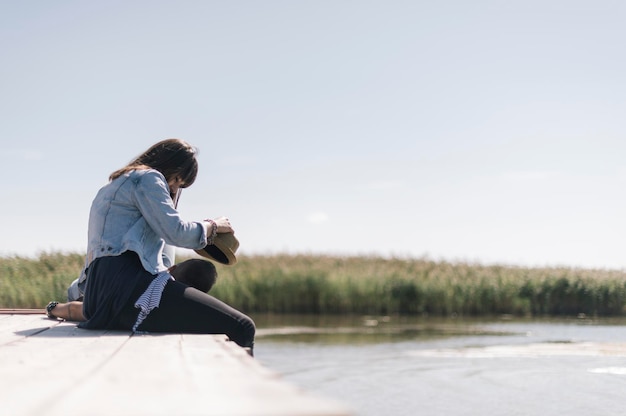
186, 309
182, 308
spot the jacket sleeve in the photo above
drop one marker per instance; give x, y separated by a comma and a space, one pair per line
155, 204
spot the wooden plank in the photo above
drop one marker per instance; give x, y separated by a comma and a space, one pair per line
63, 370
197, 375
16, 327
15, 311
38, 369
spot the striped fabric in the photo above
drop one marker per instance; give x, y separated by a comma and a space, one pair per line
151, 298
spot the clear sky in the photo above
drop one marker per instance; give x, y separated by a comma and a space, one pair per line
482, 131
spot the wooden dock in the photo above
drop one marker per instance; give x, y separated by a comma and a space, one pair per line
53, 368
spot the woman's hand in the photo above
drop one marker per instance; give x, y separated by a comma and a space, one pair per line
223, 225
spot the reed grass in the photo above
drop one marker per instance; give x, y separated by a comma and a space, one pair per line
31, 283
310, 284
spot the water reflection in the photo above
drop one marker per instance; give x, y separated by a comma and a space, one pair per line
353, 330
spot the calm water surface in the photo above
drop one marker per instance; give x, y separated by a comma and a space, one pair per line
400, 366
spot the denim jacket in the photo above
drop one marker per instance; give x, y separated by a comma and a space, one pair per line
135, 212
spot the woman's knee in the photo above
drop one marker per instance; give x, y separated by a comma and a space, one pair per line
197, 273
250, 326
247, 332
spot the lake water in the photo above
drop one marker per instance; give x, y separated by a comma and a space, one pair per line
383, 366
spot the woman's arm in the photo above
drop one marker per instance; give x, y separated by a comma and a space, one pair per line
153, 200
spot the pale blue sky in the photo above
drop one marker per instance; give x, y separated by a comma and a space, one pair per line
483, 131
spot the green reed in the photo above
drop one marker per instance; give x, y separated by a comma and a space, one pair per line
32, 283
313, 284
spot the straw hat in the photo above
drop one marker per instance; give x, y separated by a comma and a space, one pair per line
222, 250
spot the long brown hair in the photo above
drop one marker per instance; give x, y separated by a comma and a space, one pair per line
172, 157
